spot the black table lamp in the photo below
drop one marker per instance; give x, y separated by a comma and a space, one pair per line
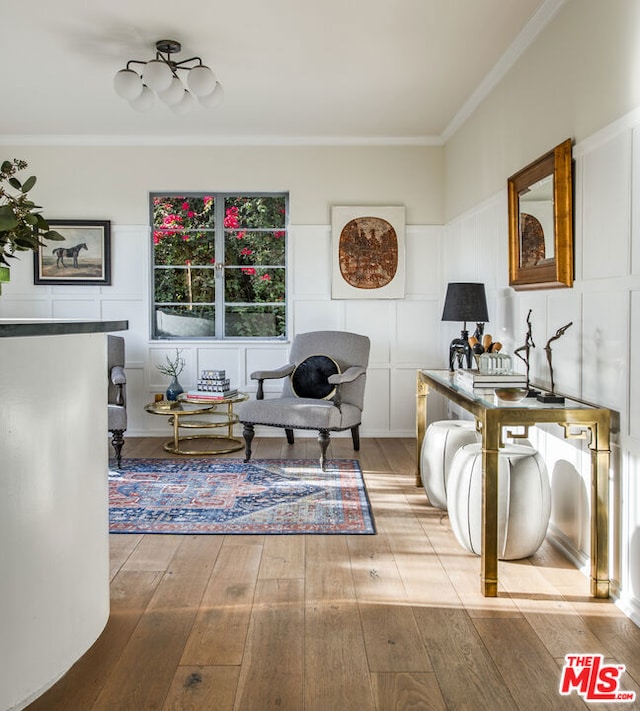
464, 302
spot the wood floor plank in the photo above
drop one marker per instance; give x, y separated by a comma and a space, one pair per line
401, 691
524, 663
336, 669
466, 672
547, 612
283, 557
272, 673
154, 552
391, 636
146, 667
120, 548
79, 688
219, 632
201, 688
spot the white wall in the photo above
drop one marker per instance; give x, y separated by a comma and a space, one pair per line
582, 73
88, 182
580, 79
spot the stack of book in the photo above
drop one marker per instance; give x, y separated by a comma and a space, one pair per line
470, 379
212, 385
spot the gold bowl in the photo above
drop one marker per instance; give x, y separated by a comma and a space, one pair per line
167, 405
511, 394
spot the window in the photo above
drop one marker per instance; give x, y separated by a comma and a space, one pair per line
219, 265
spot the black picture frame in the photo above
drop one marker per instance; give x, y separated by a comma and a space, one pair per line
92, 263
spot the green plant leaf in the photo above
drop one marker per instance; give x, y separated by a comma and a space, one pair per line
53, 235
8, 220
15, 183
29, 183
6, 166
42, 223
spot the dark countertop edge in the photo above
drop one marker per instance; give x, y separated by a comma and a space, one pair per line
53, 327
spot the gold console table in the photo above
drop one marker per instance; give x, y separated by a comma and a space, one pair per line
492, 417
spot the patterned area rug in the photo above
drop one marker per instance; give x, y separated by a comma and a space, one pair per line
227, 496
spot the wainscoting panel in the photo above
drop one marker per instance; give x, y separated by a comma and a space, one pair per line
606, 219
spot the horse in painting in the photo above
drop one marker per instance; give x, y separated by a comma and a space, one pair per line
62, 252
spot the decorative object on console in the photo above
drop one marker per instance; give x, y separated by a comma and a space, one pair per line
495, 363
470, 379
160, 75
526, 358
84, 259
464, 302
172, 369
552, 397
541, 222
511, 394
368, 252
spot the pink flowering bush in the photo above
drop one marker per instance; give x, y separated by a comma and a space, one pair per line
254, 239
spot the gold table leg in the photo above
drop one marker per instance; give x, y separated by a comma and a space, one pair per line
600, 460
422, 390
490, 454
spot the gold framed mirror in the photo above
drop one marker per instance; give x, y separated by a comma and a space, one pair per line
541, 222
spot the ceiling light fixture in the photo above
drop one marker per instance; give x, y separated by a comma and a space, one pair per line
159, 77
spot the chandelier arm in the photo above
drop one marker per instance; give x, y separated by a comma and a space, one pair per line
191, 59
134, 61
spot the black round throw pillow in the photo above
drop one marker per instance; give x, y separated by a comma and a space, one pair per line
311, 377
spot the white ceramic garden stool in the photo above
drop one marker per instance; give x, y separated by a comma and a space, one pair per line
524, 500
441, 441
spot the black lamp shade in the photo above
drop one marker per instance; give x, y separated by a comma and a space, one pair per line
465, 302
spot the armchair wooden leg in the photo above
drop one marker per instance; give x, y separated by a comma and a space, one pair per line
355, 436
248, 432
289, 434
117, 441
323, 440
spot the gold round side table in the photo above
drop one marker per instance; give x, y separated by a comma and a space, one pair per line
190, 412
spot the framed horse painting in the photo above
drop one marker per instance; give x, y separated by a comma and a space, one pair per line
83, 258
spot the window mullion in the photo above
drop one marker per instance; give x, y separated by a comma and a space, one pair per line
220, 261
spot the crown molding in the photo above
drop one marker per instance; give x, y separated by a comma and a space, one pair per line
540, 19
213, 140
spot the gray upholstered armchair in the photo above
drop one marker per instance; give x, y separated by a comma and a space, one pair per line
323, 389
117, 398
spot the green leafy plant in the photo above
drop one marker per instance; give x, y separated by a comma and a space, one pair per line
21, 226
174, 367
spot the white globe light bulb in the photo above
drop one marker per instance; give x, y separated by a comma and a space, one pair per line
214, 98
127, 84
145, 101
157, 75
201, 80
184, 105
174, 93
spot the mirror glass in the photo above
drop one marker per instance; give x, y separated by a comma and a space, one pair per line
536, 223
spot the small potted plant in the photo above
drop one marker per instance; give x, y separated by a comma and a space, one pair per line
21, 226
172, 369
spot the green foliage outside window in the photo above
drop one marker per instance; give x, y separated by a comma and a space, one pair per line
219, 266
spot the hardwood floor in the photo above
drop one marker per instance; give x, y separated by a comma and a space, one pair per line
388, 622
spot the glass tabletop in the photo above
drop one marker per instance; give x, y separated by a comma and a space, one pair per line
487, 398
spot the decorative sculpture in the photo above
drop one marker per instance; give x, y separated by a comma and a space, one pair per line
552, 397
528, 345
